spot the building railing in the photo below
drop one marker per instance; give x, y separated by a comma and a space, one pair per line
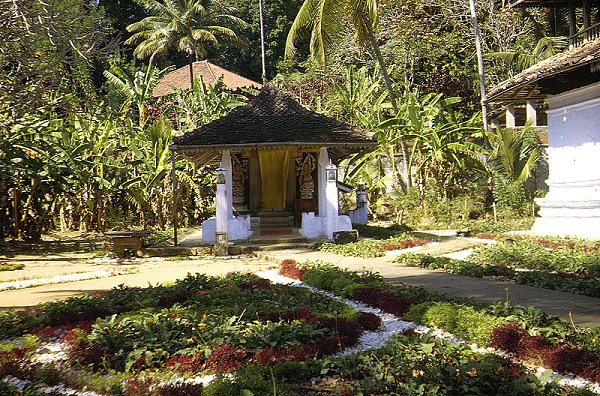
588, 34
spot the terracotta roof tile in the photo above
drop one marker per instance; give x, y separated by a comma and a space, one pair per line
209, 72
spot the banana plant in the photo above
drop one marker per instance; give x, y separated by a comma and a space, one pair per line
151, 159
135, 87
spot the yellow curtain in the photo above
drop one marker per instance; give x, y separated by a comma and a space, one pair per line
274, 166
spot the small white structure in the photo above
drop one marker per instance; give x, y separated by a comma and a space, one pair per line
330, 221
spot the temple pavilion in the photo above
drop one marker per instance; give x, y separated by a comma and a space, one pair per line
277, 166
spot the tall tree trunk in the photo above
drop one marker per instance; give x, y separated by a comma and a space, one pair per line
16, 224
392, 95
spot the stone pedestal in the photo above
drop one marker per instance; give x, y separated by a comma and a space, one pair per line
360, 215
342, 237
127, 243
221, 247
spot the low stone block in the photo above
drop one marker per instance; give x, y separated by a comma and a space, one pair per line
342, 237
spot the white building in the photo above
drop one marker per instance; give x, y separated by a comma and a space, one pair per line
569, 83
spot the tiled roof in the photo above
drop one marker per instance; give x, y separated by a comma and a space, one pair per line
210, 73
549, 3
273, 119
560, 73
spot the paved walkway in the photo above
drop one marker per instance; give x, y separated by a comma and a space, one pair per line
584, 311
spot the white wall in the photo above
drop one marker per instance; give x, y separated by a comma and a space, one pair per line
572, 206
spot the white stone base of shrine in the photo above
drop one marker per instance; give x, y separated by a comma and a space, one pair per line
315, 227
238, 229
580, 218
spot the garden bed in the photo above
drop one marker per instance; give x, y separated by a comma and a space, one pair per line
373, 248
566, 265
223, 336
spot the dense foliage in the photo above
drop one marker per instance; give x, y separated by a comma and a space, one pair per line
83, 145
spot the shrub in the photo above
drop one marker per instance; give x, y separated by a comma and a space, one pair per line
11, 267
463, 321
221, 386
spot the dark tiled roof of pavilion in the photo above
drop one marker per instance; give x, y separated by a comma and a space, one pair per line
273, 119
560, 73
210, 73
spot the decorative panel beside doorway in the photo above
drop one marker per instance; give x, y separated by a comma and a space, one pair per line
240, 187
306, 184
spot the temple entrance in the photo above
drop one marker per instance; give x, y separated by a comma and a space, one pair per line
274, 167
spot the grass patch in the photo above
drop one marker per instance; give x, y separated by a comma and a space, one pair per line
11, 267
372, 248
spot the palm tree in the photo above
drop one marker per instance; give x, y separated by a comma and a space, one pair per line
543, 49
188, 26
136, 88
515, 154
324, 20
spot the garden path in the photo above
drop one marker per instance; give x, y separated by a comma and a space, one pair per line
582, 310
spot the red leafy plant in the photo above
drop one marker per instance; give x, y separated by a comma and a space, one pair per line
255, 282
508, 337
225, 358
269, 356
79, 349
369, 321
139, 386
14, 362
566, 359
290, 268
405, 244
186, 364
515, 339
386, 301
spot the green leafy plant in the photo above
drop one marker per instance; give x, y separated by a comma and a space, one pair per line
533, 254
464, 321
11, 267
372, 248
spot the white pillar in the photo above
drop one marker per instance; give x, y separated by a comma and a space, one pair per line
510, 116
332, 201
531, 113
226, 164
322, 179
221, 202
362, 206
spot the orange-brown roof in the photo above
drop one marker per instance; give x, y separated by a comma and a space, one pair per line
210, 74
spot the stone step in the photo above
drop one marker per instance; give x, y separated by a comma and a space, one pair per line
275, 246
269, 218
275, 240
